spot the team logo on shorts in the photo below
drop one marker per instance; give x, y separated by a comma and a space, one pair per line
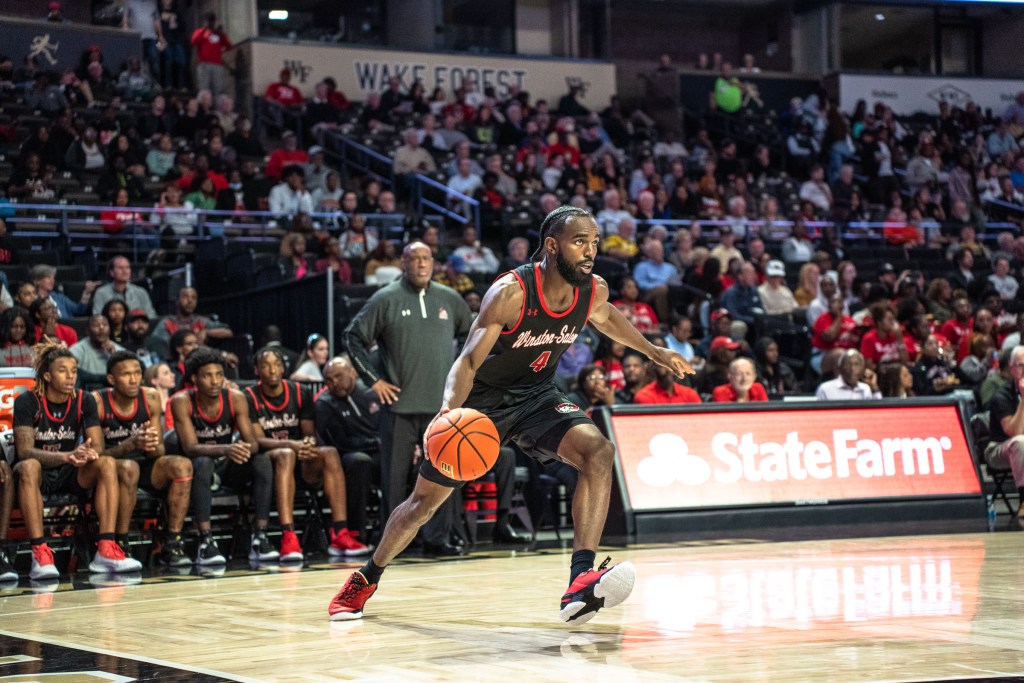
567, 408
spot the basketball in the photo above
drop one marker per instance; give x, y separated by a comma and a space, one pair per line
463, 444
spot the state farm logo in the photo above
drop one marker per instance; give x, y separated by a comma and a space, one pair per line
737, 458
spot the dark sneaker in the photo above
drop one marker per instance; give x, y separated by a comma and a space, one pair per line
173, 554
208, 552
348, 603
260, 548
595, 589
7, 573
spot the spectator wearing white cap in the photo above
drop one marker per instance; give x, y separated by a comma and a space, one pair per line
316, 170
776, 297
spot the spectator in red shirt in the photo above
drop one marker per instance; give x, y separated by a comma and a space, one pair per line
119, 216
960, 325
641, 315
285, 156
282, 97
283, 92
885, 341
665, 390
741, 387
211, 43
917, 330
833, 330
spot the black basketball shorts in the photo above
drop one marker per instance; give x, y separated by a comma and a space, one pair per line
536, 422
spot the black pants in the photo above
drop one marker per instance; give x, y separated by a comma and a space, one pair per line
258, 472
400, 434
358, 468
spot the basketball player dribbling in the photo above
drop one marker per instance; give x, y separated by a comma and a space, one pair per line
528, 318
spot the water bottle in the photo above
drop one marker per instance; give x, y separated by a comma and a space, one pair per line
991, 513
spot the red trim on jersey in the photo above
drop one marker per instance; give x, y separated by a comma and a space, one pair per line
593, 290
522, 309
46, 409
271, 406
220, 411
113, 407
544, 304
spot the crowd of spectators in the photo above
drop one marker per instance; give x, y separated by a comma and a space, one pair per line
748, 260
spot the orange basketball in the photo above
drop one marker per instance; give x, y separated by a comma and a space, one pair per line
463, 444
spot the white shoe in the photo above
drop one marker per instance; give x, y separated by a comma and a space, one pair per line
43, 567
110, 558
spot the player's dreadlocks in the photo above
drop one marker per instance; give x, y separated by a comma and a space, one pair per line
46, 354
272, 350
553, 224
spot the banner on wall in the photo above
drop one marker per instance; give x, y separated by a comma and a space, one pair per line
908, 95
60, 46
363, 70
709, 458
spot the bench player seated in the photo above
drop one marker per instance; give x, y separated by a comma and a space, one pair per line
206, 418
130, 418
283, 417
58, 439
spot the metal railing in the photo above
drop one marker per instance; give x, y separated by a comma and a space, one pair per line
72, 228
445, 203
350, 154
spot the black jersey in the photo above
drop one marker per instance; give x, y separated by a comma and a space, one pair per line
281, 417
117, 427
213, 430
59, 427
527, 354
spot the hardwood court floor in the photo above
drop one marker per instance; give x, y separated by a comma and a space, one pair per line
918, 608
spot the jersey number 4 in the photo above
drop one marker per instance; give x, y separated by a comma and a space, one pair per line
541, 362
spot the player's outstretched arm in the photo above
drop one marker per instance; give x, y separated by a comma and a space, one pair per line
501, 307
610, 322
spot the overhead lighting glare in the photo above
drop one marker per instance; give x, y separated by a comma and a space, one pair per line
278, 15
878, 17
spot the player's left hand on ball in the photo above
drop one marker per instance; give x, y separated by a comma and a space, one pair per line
431, 426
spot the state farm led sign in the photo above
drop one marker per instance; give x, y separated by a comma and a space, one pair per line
710, 459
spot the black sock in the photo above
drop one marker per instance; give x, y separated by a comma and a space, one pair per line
371, 572
339, 526
287, 527
37, 541
107, 537
582, 560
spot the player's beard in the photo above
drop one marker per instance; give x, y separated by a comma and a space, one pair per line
570, 272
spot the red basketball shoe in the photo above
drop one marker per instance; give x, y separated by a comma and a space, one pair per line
597, 588
348, 603
344, 544
291, 549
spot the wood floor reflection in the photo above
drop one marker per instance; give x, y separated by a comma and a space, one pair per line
918, 608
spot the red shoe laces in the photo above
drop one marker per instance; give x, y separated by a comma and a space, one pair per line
43, 554
111, 550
